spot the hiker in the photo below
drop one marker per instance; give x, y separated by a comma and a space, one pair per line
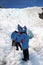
15, 41
24, 42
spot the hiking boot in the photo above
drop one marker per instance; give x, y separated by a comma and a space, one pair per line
27, 58
17, 49
24, 59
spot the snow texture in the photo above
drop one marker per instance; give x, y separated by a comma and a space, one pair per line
9, 19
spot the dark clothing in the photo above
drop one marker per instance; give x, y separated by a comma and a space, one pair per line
16, 44
26, 54
13, 43
24, 41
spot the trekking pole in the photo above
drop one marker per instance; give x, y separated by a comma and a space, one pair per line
14, 47
14, 50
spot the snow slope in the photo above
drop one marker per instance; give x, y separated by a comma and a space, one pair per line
9, 19
16, 60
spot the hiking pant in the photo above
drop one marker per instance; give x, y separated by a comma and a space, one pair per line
26, 54
16, 44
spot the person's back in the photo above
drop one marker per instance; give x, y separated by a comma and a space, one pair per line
26, 40
16, 40
24, 43
13, 35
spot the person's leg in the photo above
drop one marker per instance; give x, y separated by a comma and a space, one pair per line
23, 54
15, 44
12, 42
19, 45
26, 55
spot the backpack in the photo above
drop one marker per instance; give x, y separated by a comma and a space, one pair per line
30, 34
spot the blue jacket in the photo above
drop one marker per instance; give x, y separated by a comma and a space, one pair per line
15, 36
25, 42
19, 38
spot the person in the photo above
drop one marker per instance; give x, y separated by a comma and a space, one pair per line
22, 29
24, 42
15, 41
23, 39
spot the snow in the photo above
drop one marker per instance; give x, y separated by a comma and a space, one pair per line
9, 19
16, 60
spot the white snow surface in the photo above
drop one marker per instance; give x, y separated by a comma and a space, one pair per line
9, 19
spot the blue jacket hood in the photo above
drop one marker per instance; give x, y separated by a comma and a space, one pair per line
20, 29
